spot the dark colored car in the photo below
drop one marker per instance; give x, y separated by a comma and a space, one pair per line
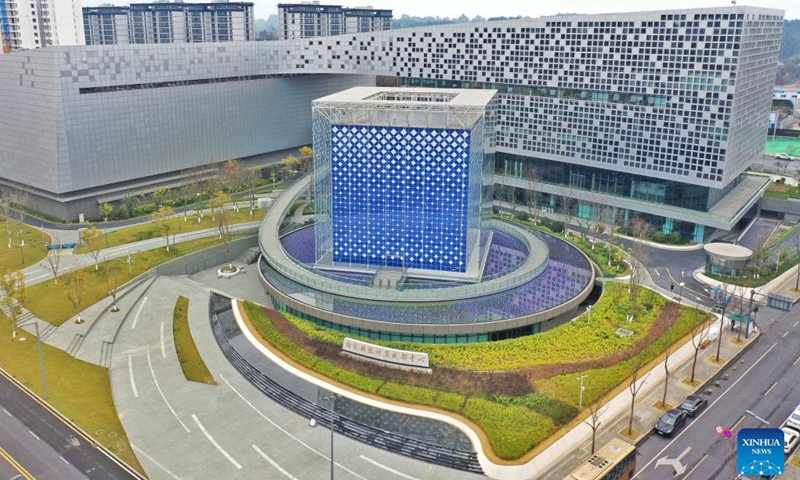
670, 422
694, 404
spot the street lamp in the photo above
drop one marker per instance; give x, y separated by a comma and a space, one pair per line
332, 398
580, 395
41, 355
589, 314
680, 292
130, 262
21, 250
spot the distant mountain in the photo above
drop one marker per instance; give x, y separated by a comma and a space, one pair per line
789, 56
406, 21
267, 29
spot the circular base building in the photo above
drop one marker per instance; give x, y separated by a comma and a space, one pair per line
402, 245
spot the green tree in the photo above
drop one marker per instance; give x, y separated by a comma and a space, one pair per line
306, 157
13, 288
91, 237
161, 218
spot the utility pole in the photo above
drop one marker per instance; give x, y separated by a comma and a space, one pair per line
332, 398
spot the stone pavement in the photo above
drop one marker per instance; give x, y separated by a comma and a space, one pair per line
186, 430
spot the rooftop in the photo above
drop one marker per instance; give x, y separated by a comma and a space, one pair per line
456, 97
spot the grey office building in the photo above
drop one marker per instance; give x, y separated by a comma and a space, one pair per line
657, 113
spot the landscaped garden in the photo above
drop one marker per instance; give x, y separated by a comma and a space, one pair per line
175, 225
517, 392
48, 300
22, 246
782, 190
192, 364
611, 260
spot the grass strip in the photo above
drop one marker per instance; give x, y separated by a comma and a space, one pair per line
47, 300
81, 391
192, 364
32, 249
148, 230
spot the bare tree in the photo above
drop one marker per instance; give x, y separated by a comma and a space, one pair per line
54, 259
223, 223
112, 281
20, 200
639, 252
306, 158
667, 343
568, 204
797, 260
699, 338
725, 301
232, 175
5, 208
533, 194
635, 386
596, 410
14, 290
761, 252
613, 215
74, 281
251, 178
106, 209
91, 237
596, 221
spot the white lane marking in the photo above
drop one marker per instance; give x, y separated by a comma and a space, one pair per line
770, 389
162, 467
130, 374
214, 442
34, 435
7, 413
158, 387
695, 466
655, 270
33, 280
64, 460
163, 351
136, 318
784, 335
795, 323
705, 410
274, 463
287, 433
388, 469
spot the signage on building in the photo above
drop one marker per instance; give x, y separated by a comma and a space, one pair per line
384, 354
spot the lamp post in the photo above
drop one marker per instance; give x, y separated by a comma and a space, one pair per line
580, 395
589, 314
680, 292
332, 398
41, 355
130, 261
21, 250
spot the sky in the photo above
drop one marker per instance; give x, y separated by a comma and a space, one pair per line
454, 8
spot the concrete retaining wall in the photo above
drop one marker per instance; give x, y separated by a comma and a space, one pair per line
789, 208
207, 258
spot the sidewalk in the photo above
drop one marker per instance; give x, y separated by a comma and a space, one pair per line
614, 419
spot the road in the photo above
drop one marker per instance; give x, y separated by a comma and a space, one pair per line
38, 442
764, 384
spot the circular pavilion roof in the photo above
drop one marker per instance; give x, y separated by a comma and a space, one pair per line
728, 251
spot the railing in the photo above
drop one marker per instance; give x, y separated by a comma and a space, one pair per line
277, 257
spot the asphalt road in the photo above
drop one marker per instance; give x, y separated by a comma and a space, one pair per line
765, 384
44, 445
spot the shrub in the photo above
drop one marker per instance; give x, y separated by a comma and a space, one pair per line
512, 430
556, 226
660, 237
522, 216
122, 212
676, 238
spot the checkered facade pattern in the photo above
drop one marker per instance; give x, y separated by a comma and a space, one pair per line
400, 196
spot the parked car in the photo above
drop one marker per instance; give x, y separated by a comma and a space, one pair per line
783, 156
694, 404
670, 422
794, 419
790, 438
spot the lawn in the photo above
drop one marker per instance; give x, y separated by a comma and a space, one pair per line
32, 252
513, 423
81, 391
192, 364
148, 230
48, 301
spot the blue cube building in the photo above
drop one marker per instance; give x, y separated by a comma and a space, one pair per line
398, 179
